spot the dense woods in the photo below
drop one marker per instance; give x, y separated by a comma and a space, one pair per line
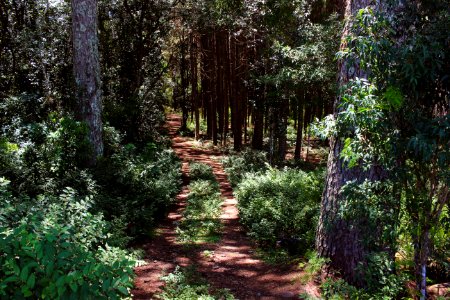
330, 119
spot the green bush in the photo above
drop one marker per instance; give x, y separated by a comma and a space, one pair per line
45, 157
236, 166
280, 204
138, 188
201, 171
59, 250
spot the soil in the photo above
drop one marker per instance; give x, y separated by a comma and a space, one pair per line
231, 262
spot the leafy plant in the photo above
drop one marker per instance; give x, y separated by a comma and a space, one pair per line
59, 250
186, 284
201, 217
236, 166
313, 266
200, 171
280, 204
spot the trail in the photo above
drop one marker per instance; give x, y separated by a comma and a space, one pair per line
233, 264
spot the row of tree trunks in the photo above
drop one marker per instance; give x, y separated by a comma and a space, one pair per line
218, 73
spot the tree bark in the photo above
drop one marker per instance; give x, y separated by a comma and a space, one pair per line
337, 238
86, 69
194, 84
298, 142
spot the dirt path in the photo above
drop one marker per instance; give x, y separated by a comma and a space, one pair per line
233, 264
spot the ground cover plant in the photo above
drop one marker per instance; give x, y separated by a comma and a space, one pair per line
187, 284
200, 221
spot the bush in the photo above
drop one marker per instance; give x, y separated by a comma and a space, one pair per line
201, 171
138, 188
236, 166
59, 251
44, 158
280, 204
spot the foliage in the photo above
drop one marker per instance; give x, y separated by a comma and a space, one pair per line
398, 119
280, 204
44, 157
58, 249
138, 188
236, 166
313, 266
333, 289
186, 284
200, 171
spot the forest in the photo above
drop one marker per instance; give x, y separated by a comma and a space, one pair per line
225, 149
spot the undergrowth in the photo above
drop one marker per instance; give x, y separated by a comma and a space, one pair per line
281, 206
200, 221
187, 284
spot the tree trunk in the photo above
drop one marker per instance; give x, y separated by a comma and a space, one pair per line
298, 142
86, 69
337, 238
194, 84
282, 130
421, 249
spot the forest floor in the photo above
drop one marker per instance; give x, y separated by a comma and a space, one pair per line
231, 262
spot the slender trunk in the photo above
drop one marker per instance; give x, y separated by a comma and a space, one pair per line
184, 85
298, 142
194, 85
236, 111
86, 68
226, 87
282, 130
421, 241
214, 79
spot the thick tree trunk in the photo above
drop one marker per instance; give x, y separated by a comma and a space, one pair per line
337, 238
86, 68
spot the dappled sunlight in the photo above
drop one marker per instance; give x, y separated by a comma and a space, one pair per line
231, 262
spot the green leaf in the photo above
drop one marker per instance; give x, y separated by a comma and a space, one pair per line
74, 287
31, 281
24, 274
394, 96
123, 290
16, 268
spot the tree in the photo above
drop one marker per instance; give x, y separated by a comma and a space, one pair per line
338, 238
397, 121
86, 68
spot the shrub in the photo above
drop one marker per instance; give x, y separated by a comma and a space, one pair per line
201, 171
236, 166
280, 204
139, 188
59, 251
45, 157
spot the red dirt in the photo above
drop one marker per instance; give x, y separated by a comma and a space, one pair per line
233, 264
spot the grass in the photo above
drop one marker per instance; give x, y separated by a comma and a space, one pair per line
201, 223
188, 284
275, 256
